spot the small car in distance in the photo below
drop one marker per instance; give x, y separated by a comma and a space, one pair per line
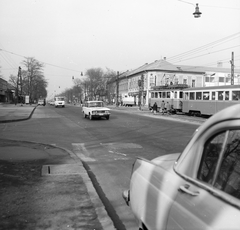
41, 102
196, 189
59, 102
95, 109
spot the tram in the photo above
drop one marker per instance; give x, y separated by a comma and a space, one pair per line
173, 94
209, 100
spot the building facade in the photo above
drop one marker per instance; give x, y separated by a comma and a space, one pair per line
162, 73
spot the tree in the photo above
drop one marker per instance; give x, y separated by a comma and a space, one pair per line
78, 89
94, 81
13, 81
34, 83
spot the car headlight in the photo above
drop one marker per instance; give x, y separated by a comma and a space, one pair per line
94, 112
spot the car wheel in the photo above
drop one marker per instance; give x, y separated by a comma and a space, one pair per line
90, 117
107, 117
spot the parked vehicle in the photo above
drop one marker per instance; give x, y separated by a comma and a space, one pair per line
209, 100
128, 100
95, 109
196, 189
59, 101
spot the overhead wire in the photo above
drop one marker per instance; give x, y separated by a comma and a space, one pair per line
175, 59
204, 47
41, 61
8, 58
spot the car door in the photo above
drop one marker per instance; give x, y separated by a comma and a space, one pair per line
210, 198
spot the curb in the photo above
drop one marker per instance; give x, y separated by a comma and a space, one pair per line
100, 208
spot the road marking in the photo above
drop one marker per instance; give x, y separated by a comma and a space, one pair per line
80, 150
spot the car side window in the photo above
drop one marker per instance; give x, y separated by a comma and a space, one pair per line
220, 164
228, 178
211, 153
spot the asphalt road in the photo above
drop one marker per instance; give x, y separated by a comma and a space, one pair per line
108, 147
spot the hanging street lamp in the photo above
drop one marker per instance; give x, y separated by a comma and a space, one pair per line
197, 13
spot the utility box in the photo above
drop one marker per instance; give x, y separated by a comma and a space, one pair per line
26, 99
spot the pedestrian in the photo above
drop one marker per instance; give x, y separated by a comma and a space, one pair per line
155, 108
162, 107
168, 108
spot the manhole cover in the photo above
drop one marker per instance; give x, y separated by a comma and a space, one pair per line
66, 169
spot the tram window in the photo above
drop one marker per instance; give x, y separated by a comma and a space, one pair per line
192, 96
213, 96
206, 95
168, 94
198, 95
220, 95
163, 94
180, 94
186, 96
160, 94
156, 95
235, 95
152, 95
227, 95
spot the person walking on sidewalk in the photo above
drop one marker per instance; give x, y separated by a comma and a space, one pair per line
155, 108
168, 108
162, 107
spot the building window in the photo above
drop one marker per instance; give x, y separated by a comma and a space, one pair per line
193, 83
221, 79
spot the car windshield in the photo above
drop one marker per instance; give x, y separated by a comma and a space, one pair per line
60, 99
96, 104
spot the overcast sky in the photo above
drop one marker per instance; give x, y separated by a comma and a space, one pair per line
71, 36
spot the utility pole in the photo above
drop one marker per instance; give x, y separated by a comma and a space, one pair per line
232, 69
142, 81
19, 82
117, 87
141, 89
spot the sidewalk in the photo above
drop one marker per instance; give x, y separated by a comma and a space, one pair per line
43, 186
12, 112
146, 112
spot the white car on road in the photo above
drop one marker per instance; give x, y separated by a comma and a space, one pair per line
95, 109
197, 189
